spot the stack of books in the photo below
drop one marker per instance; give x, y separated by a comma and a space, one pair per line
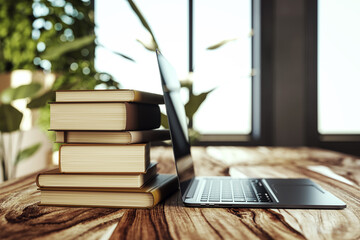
105, 158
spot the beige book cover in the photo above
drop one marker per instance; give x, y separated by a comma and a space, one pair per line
109, 116
120, 137
54, 178
104, 158
162, 186
108, 95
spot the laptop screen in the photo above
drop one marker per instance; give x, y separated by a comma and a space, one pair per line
177, 122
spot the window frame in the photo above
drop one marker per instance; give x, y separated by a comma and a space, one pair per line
261, 80
348, 143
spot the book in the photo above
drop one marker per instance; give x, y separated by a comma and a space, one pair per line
162, 186
110, 116
114, 95
104, 158
120, 137
54, 178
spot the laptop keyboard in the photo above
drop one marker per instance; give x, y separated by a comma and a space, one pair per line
234, 190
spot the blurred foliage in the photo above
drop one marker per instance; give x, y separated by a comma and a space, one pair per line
17, 48
55, 52
195, 102
164, 121
23, 91
55, 36
226, 41
27, 152
221, 43
65, 32
41, 100
9, 115
10, 118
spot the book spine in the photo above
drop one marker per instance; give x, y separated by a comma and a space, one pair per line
59, 157
60, 136
147, 97
142, 116
37, 180
147, 155
165, 191
149, 136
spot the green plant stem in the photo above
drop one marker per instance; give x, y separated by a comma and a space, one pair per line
14, 167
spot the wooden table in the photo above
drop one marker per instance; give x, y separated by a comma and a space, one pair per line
22, 218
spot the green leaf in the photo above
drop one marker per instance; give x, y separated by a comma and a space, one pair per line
220, 44
7, 95
186, 84
195, 102
149, 46
42, 100
193, 136
56, 51
117, 53
23, 91
142, 20
164, 121
122, 55
26, 153
10, 118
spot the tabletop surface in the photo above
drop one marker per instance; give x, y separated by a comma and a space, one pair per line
22, 218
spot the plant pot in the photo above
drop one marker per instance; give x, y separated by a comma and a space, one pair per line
30, 135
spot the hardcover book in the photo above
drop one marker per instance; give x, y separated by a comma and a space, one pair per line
104, 158
162, 186
114, 95
54, 178
120, 137
109, 116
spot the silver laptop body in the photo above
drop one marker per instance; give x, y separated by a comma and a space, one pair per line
228, 191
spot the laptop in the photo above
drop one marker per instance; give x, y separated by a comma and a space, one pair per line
197, 191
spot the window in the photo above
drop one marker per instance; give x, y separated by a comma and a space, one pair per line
227, 69
338, 67
332, 43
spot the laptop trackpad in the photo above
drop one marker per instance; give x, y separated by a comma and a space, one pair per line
298, 193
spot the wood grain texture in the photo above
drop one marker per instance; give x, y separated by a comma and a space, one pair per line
22, 218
